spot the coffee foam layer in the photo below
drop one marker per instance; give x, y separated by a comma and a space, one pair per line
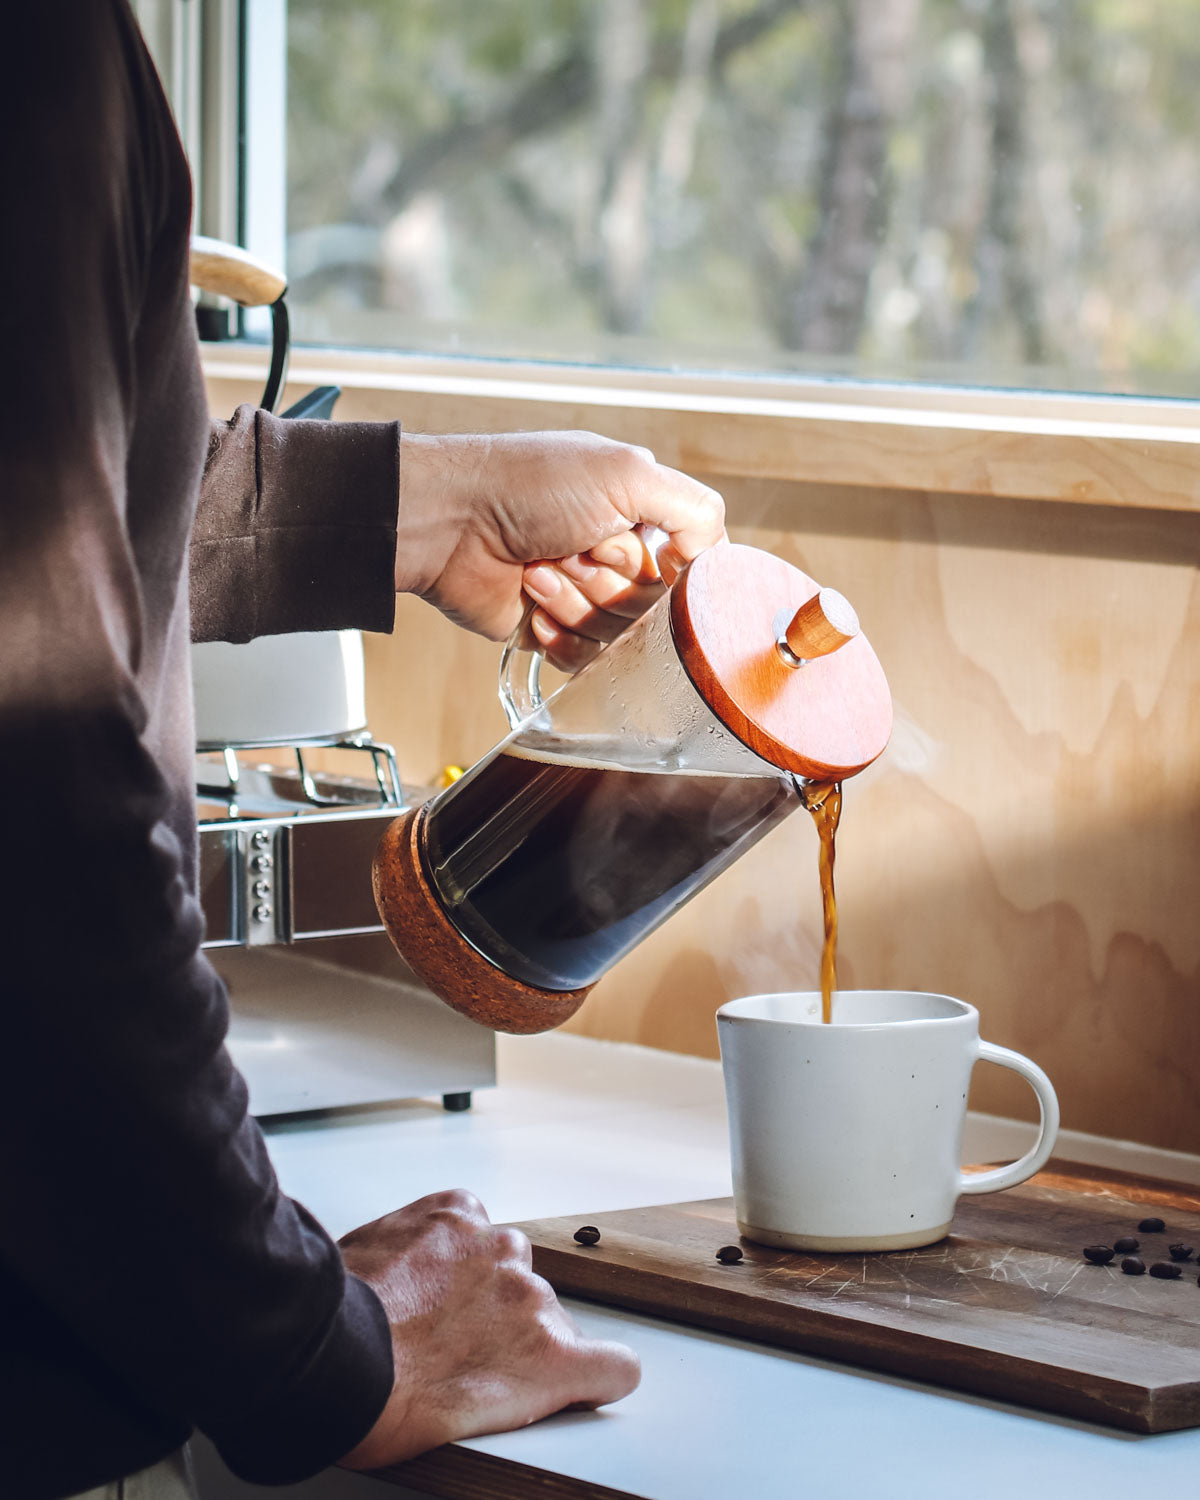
661, 758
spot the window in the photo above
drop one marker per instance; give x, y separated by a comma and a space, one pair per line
959, 192
989, 192
222, 63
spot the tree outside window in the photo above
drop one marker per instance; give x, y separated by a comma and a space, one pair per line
989, 192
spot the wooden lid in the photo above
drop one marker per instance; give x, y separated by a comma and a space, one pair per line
824, 719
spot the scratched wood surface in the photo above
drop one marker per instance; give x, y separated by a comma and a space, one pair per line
1004, 1307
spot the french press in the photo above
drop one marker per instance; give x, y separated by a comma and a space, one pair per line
613, 801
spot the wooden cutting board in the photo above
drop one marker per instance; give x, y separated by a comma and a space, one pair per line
1004, 1307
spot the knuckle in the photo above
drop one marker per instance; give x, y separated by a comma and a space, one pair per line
634, 460
466, 1202
523, 1288
716, 502
453, 1204
512, 1245
544, 1295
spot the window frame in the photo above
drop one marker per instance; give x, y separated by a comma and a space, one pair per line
1141, 452
1093, 450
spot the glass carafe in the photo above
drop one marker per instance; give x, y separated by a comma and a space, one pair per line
613, 801
604, 810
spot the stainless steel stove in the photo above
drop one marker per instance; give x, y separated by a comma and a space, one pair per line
324, 1011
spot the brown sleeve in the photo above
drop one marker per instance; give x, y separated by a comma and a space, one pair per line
153, 1277
296, 528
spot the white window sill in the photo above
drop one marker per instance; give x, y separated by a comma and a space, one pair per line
1091, 450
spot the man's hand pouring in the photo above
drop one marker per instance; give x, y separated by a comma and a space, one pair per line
488, 524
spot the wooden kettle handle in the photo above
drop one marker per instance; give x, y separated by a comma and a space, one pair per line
232, 272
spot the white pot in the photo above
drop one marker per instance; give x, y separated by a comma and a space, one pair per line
279, 689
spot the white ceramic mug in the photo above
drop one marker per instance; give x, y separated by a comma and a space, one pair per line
847, 1136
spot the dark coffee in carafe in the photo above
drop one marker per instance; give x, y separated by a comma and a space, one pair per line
615, 799
554, 865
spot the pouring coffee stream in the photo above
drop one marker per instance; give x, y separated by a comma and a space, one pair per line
739, 694
824, 801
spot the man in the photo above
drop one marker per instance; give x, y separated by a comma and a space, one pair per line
153, 1279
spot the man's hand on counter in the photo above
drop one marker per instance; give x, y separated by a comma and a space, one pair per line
479, 1342
488, 524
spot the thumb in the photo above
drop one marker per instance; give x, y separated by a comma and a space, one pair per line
599, 1372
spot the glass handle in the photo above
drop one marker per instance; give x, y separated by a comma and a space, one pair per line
520, 674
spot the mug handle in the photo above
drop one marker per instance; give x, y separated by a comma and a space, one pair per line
1038, 1154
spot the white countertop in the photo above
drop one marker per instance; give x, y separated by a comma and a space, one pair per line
577, 1126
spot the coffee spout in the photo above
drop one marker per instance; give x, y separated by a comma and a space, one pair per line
813, 792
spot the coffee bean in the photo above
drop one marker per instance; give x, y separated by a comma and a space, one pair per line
729, 1255
1180, 1252
1166, 1270
1151, 1226
1133, 1265
587, 1234
1099, 1255
1126, 1245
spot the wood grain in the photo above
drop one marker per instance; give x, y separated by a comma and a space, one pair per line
1030, 839
824, 720
821, 625
1004, 1307
1073, 450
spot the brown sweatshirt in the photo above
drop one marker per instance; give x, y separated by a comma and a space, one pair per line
153, 1278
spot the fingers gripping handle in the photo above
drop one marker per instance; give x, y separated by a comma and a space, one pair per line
1037, 1156
520, 674
521, 661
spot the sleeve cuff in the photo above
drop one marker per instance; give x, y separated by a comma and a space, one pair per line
313, 544
327, 1410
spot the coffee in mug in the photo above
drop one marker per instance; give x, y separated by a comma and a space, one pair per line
847, 1135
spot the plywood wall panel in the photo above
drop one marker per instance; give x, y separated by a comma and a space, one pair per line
1031, 839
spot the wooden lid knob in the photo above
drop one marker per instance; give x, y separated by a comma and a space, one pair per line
821, 625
